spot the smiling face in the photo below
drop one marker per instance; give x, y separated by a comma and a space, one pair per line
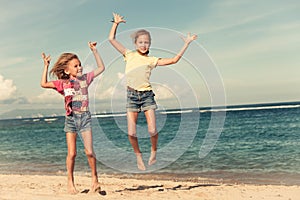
142, 43
74, 68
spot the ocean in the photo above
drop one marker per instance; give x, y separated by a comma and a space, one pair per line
255, 144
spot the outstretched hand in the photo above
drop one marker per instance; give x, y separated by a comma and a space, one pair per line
92, 45
118, 18
46, 59
189, 38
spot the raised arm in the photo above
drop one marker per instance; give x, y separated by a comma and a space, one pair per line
44, 81
100, 64
175, 59
112, 35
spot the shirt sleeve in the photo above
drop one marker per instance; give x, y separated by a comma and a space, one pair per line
127, 54
90, 77
58, 86
153, 62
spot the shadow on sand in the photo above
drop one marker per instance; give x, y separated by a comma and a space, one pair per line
162, 188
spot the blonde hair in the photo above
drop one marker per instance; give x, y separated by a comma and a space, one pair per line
138, 33
61, 65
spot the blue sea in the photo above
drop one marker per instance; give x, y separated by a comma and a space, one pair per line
245, 144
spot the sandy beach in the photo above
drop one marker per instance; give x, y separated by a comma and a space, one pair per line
36, 187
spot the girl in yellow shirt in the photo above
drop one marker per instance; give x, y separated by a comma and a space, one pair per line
140, 96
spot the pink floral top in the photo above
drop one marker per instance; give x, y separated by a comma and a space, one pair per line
75, 92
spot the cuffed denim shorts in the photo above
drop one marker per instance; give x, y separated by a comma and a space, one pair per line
138, 101
78, 122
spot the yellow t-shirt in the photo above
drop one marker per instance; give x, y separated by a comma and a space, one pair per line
138, 70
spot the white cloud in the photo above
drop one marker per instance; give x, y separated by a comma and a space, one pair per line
121, 75
48, 96
7, 88
105, 94
118, 90
109, 88
163, 91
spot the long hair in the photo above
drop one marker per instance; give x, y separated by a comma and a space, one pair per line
61, 65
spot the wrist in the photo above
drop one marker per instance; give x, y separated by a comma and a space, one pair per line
114, 22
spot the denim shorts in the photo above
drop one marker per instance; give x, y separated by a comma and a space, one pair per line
78, 122
138, 101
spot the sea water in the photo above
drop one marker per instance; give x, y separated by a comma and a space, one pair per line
257, 144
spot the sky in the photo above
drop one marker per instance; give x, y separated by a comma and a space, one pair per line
251, 49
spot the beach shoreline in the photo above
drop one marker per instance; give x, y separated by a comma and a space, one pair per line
33, 187
218, 177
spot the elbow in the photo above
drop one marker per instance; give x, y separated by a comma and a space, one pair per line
174, 61
111, 39
103, 69
43, 85
100, 70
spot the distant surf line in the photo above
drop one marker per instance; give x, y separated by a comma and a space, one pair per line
249, 108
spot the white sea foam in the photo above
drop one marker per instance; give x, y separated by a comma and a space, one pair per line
248, 108
50, 119
176, 112
109, 115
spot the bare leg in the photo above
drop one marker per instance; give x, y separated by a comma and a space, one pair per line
70, 161
152, 159
131, 122
91, 157
151, 121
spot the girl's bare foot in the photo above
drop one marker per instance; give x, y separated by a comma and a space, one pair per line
152, 158
72, 189
140, 162
95, 187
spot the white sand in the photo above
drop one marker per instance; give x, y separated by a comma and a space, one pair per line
37, 187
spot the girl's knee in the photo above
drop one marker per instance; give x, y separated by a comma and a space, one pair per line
89, 153
152, 132
72, 155
132, 134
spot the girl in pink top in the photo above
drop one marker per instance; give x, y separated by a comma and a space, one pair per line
73, 85
139, 91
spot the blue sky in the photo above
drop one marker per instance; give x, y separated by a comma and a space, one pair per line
254, 45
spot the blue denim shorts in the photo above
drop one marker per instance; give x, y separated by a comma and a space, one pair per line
138, 101
78, 122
